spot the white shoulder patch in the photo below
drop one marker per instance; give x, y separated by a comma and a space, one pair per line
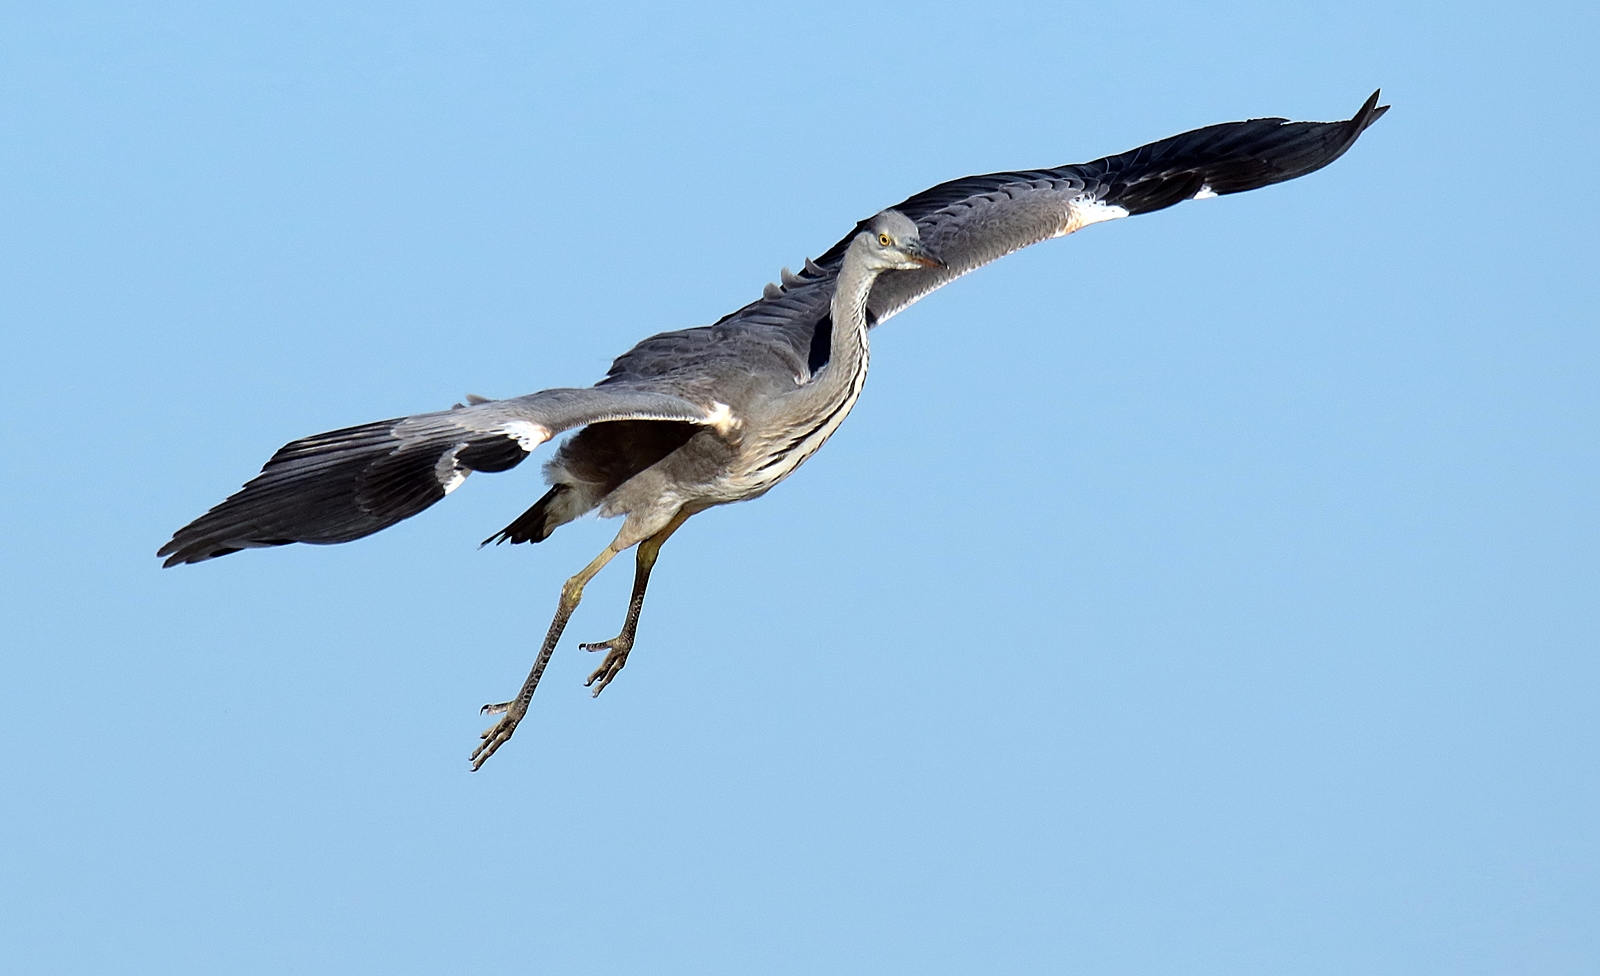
1206, 193
449, 471
526, 433
1085, 211
721, 418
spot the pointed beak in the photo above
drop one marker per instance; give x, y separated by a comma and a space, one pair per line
922, 256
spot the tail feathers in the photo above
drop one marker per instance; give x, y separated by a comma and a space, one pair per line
340, 486
537, 523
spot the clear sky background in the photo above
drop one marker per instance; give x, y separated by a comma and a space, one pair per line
1209, 592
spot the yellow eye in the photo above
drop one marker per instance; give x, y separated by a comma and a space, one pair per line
885, 240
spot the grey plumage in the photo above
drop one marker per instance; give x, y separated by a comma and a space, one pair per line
694, 418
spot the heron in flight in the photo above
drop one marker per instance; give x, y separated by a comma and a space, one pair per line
691, 419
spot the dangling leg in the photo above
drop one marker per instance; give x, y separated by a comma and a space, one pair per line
511, 712
619, 646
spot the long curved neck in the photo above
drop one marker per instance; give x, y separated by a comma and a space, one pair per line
839, 382
802, 420
850, 348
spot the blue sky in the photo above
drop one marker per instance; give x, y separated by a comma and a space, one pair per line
1209, 592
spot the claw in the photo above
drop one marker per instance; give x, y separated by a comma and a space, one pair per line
496, 709
608, 668
495, 735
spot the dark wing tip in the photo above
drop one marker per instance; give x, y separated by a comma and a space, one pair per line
1370, 112
177, 553
1292, 150
194, 554
326, 488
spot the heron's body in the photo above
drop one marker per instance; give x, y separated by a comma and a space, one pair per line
696, 418
770, 414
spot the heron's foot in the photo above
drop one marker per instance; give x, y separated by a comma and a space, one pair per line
617, 656
499, 733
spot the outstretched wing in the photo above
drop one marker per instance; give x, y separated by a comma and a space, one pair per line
350, 483
972, 221
977, 219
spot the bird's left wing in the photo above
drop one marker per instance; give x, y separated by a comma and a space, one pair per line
972, 221
350, 483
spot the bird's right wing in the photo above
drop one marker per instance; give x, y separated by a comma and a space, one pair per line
349, 483
972, 221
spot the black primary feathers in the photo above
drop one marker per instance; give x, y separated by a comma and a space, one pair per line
1227, 158
336, 487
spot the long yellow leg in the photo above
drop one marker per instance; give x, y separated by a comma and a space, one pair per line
511, 712
619, 646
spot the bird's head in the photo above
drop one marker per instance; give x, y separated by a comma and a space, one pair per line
890, 242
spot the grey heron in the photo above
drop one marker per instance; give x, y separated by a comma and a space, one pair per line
696, 418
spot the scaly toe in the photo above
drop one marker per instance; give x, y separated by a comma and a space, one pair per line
607, 670
493, 738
